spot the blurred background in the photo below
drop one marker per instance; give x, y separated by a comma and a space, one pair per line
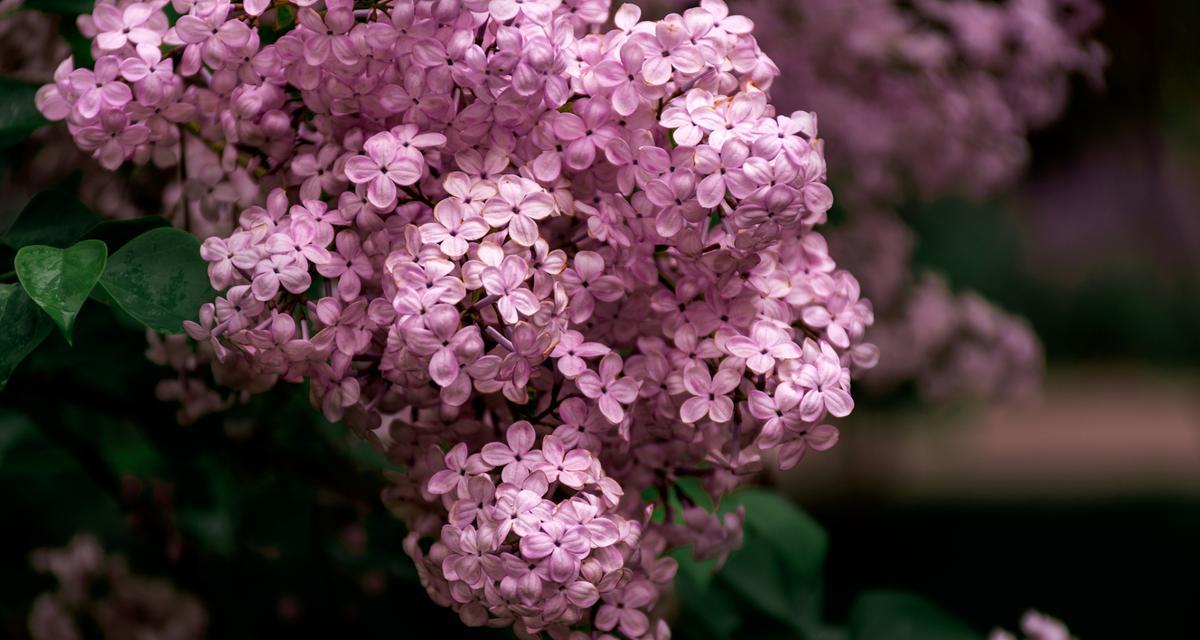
1082, 500
1078, 496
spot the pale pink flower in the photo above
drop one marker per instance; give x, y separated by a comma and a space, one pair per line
571, 351
518, 457
100, 89
518, 206
562, 546
210, 38
819, 438
766, 343
586, 281
710, 394
560, 464
507, 283
116, 27
443, 340
778, 412
622, 609
459, 468
382, 169
453, 228
609, 391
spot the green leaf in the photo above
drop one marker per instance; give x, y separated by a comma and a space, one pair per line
285, 17
699, 572
117, 233
53, 217
18, 113
694, 490
707, 612
59, 280
755, 573
778, 569
160, 279
896, 615
132, 456
795, 536
100, 295
22, 328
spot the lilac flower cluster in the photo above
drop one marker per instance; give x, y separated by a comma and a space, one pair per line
548, 269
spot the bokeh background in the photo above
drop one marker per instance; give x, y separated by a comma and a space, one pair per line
1081, 500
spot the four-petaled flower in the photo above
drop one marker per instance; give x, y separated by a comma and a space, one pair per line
609, 391
516, 458
460, 467
382, 169
766, 343
517, 206
454, 227
710, 394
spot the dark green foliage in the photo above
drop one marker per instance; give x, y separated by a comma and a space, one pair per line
19, 116
159, 278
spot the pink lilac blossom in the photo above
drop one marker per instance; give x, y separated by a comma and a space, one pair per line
547, 268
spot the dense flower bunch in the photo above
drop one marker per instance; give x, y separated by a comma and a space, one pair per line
96, 591
548, 269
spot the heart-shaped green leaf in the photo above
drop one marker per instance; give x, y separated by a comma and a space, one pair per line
22, 328
59, 280
160, 279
